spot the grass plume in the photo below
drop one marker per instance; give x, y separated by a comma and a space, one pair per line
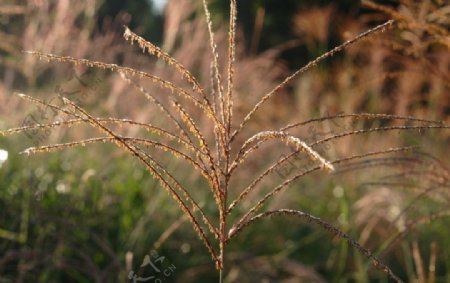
196, 145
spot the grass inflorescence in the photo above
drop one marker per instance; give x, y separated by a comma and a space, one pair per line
215, 152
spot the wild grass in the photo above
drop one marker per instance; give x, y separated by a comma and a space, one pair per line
220, 150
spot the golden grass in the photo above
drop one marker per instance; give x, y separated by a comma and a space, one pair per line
194, 147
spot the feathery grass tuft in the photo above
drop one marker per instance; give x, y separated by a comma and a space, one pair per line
195, 146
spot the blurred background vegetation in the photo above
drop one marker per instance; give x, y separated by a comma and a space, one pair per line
93, 214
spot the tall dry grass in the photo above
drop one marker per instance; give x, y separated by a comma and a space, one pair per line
205, 129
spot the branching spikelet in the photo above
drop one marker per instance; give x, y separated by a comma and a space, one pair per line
56, 124
203, 146
61, 146
215, 63
218, 169
43, 103
204, 104
306, 68
360, 116
376, 262
310, 170
176, 153
192, 127
148, 127
379, 129
400, 162
231, 59
195, 206
121, 143
281, 161
155, 101
127, 71
289, 139
138, 154
155, 50
79, 120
